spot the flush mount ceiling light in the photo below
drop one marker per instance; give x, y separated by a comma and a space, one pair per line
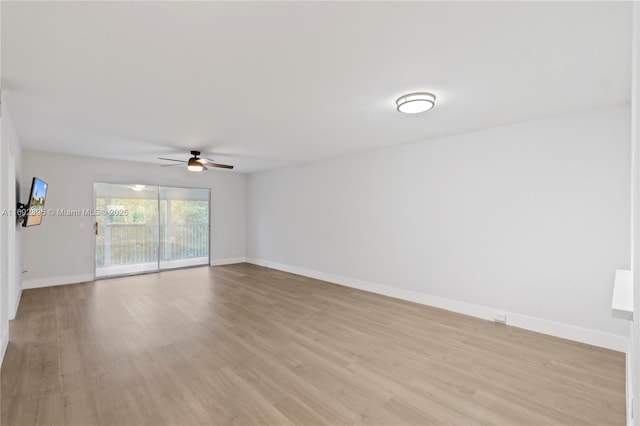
414, 103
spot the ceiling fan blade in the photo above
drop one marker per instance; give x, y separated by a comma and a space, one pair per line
220, 166
210, 162
171, 159
203, 161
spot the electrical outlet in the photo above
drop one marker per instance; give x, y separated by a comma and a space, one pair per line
500, 317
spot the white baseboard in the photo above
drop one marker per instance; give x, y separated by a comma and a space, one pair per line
53, 281
13, 310
73, 279
4, 342
557, 329
4, 334
631, 370
228, 261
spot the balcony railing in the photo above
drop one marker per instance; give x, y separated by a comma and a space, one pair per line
133, 244
184, 241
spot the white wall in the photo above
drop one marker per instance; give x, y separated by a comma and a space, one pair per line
61, 250
10, 168
530, 219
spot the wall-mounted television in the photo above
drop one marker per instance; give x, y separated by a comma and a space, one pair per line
35, 206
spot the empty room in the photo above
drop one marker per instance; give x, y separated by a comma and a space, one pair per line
319, 213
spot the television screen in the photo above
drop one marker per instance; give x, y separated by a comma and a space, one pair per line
35, 207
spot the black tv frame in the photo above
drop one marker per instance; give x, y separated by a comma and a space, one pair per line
24, 210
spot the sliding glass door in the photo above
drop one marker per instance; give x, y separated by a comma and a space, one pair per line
184, 227
149, 228
126, 229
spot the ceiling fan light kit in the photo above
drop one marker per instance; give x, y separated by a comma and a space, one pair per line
194, 165
414, 103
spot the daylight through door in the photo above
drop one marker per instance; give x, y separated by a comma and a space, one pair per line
142, 228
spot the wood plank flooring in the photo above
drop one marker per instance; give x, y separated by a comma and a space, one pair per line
245, 345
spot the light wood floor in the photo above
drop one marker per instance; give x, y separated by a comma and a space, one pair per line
242, 344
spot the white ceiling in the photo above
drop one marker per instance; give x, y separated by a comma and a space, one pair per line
262, 85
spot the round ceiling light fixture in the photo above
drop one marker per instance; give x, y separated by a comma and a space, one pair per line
414, 103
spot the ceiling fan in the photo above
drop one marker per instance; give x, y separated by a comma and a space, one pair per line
195, 163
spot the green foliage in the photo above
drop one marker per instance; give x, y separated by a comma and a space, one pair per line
183, 230
190, 212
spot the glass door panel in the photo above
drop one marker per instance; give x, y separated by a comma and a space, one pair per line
184, 227
149, 228
127, 232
